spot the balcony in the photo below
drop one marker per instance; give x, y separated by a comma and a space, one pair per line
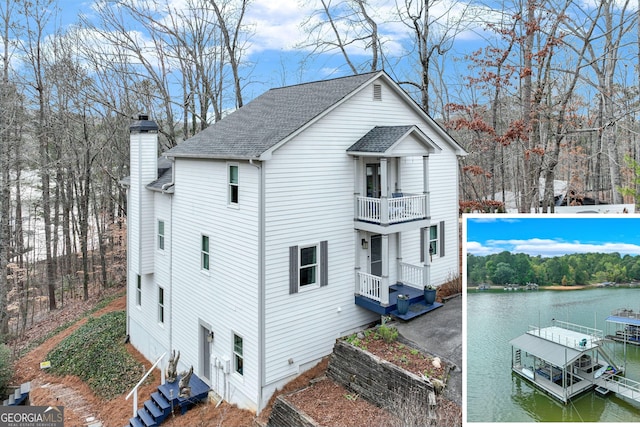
389, 211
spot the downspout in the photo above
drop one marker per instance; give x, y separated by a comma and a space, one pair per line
165, 187
261, 282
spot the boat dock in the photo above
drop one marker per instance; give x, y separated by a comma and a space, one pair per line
627, 326
564, 359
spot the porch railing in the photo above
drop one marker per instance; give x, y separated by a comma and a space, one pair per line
369, 286
397, 209
411, 275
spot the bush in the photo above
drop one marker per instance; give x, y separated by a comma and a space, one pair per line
6, 370
388, 334
96, 355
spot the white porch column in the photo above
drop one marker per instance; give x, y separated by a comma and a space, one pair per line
398, 161
399, 256
425, 185
384, 191
356, 185
384, 281
356, 261
426, 267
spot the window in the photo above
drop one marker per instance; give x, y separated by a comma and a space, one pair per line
238, 358
161, 235
160, 305
139, 291
435, 238
204, 259
233, 184
308, 266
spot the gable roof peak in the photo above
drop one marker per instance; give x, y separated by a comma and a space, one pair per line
269, 119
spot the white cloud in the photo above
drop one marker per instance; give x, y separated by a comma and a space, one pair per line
478, 249
550, 247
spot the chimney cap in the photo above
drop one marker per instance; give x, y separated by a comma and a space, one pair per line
143, 124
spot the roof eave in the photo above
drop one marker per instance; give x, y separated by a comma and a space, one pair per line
201, 156
445, 136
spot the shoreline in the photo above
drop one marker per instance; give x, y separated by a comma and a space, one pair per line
549, 287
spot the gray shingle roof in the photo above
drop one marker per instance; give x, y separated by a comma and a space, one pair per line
267, 120
379, 139
165, 176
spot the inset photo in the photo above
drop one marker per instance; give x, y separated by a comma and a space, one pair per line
552, 318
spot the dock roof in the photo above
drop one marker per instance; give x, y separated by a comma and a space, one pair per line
554, 353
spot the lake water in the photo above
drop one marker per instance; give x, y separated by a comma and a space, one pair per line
494, 318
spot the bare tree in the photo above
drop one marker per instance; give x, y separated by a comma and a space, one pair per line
345, 26
230, 14
37, 15
434, 24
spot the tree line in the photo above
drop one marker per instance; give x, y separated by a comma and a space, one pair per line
566, 270
550, 91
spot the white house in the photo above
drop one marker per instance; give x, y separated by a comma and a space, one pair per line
262, 239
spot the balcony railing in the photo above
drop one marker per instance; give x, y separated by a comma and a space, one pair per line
411, 275
369, 286
395, 210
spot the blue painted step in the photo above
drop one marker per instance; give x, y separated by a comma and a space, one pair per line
146, 418
135, 422
153, 409
161, 402
159, 407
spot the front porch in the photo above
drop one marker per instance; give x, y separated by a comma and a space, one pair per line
417, 305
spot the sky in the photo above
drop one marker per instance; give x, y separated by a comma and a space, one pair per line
552, 235
275, 54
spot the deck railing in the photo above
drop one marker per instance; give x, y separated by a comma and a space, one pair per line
397, 209
411, 275
369, 286
134, 391
624, 386
597, 334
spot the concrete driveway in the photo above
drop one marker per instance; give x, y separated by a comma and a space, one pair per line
439, 333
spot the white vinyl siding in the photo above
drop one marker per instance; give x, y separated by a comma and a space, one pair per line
226, 297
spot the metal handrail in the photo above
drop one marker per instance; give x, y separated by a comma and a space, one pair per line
134, 390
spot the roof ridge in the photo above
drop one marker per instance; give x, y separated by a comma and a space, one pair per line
324, 80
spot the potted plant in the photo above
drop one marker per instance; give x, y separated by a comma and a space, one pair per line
429, 294
403, 304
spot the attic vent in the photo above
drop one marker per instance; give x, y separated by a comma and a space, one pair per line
377, 92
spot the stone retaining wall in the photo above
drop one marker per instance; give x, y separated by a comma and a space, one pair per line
284, 414
376, 380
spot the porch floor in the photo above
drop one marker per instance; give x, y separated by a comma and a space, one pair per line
417, 305
415, 310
